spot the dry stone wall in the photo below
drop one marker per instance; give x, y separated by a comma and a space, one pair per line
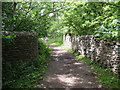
105, 52
23, 47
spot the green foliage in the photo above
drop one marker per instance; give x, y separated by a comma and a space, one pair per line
30, 16
88, 19
44, 51
56, 38
111, 31
24, 74
7, 39
101, 19
81, 18
26, 16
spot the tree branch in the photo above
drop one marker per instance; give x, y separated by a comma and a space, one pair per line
51, 12
22, 20
110, 4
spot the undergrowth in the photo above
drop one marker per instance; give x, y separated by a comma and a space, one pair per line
24, 74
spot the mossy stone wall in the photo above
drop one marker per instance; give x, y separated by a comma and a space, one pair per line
106, 52
23, 47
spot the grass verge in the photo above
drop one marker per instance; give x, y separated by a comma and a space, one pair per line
104, 75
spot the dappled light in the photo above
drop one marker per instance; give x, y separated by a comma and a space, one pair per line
68, 79
78, 63
66, 71
60, 44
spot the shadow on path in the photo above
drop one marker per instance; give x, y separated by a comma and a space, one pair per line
65, 71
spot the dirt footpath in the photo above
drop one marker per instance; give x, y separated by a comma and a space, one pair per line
65, 71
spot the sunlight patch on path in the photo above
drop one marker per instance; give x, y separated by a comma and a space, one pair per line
58, 52
68, 79
78, 63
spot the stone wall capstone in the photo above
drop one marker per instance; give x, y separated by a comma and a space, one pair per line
105, 52
24, 47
